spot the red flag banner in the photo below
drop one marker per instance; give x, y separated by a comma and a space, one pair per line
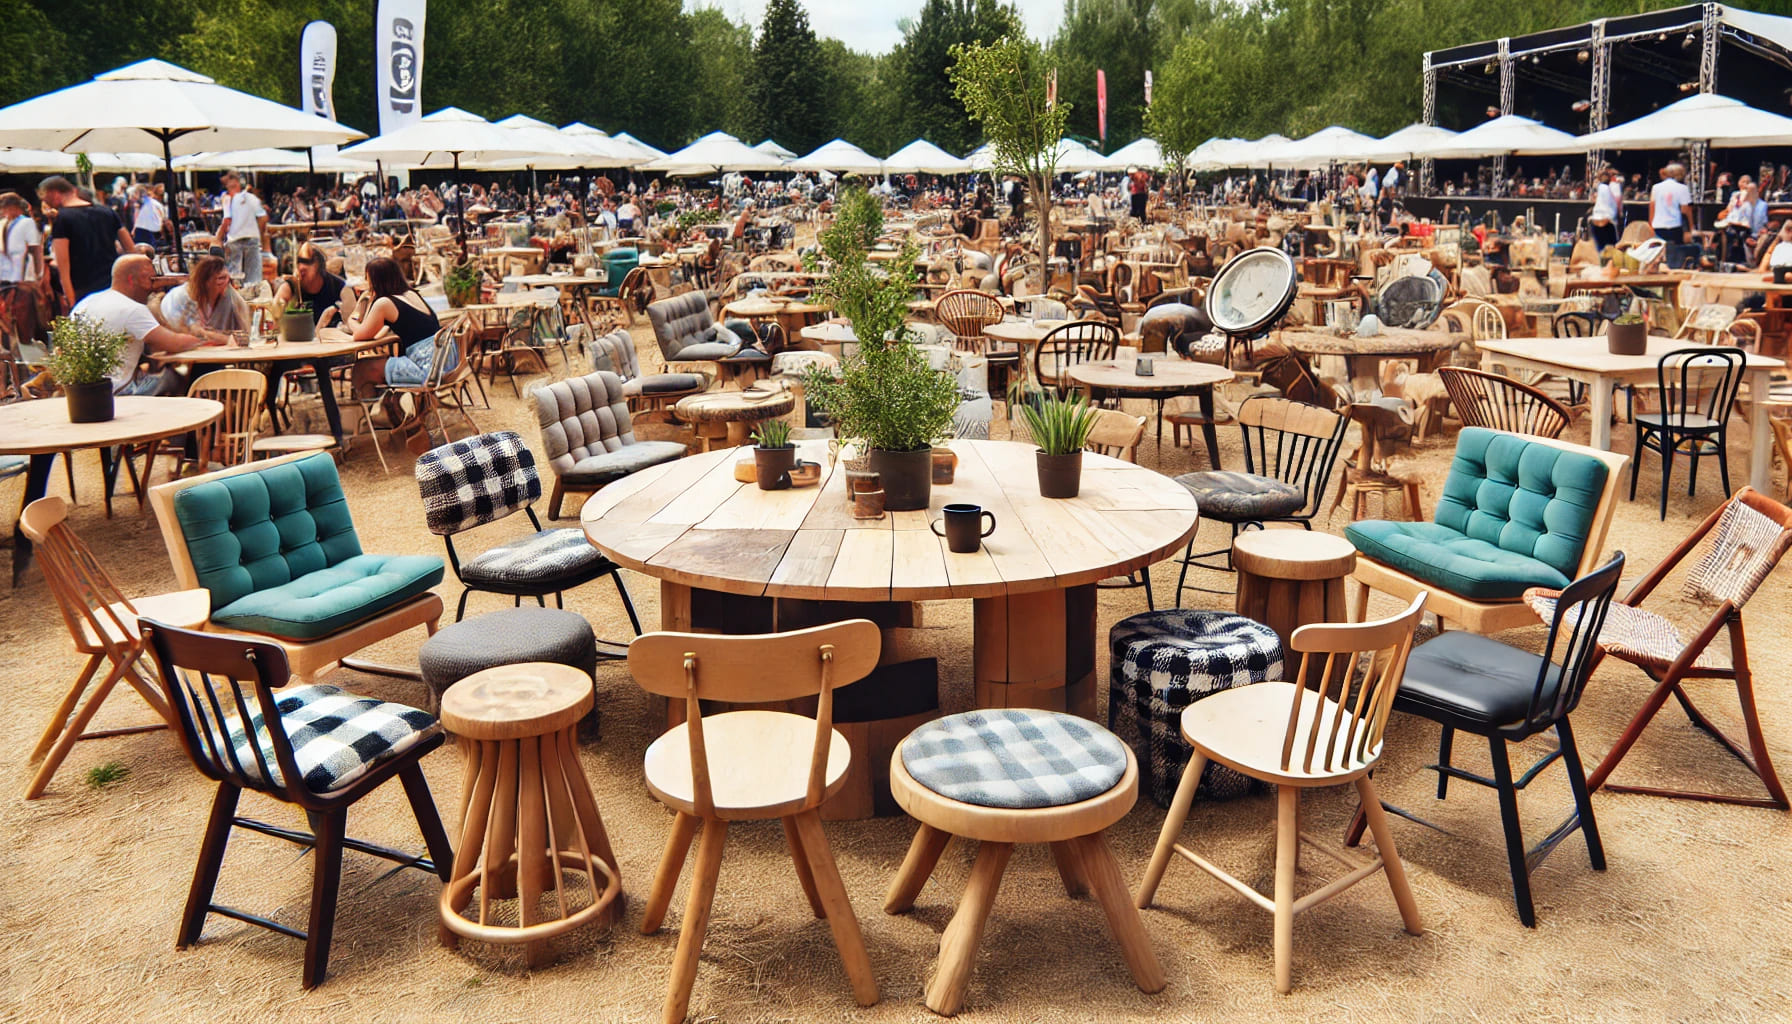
1101, 103
1147, 88
1051, 89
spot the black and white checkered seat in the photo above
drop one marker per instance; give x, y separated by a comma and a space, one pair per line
1163, 661
336, 736
539, 558
1014, 758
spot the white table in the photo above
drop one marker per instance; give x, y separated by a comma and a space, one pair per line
1590, 361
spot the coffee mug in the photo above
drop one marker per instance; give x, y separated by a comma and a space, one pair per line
962, 525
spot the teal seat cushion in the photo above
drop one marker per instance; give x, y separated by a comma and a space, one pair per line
1446, 559
330, 600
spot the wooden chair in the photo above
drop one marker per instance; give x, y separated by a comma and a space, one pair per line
1490, 400
1708, 325
446, 357
1782, 445
1118, 434
634, 294
966, 312
228, 440
1730, 555
447, 389
1697, 388
102, 622
1080, 341
751, 765
319, 748
1331, 738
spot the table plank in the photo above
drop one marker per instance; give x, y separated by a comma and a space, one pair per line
659, 486
807, 563
918, 567
706, 494
734, 561
862, 569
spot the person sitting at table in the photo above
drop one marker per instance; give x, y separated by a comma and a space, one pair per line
327, 295
206, 301
1743, 221
391, 304
124, 308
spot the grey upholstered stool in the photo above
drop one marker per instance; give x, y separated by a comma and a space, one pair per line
509, 636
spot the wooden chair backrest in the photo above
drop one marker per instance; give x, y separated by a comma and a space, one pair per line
1292, 442
1362, 689
1707, 322
1489, 324
1077, 342
756, 669
1117, 434
965, 312
92, 606
228, 439
1485, 399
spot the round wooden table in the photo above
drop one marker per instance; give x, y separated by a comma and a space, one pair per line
1025, 333
1292, 578
1363, 356
791, 315
1169, 377
728, 417
331, 343
41, 429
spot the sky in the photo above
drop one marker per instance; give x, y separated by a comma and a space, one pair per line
870, 27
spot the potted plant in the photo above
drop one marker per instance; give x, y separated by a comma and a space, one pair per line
82, 356
885, 395
296, 323
461, 285
774, 456
1059, 428
1628, 335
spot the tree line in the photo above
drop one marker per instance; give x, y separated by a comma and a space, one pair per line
668, 75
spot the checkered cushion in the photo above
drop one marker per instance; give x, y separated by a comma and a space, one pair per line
1163, 661
539, 557
336, 736
1014, 758
476, 481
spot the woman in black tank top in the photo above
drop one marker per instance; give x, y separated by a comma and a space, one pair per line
395, 306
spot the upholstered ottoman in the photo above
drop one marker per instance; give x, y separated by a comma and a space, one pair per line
511, 636
1161, 662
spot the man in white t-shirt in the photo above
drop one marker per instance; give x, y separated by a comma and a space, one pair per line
123, 308
1670, 206
21, 243
627, 217
244, 230
149, 217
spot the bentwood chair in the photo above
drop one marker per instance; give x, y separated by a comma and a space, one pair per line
102, 622
1079, 341
966, 312
1294, 739
315, 746
717, 768
1489, 400
1698, 392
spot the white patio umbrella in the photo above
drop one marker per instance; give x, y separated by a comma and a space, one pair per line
923, 157
1259, 152
1215, 155
647, 152
1320, 149
270, 159
768, 146
606, 151
1073, 156
49, 161
1142, 152
1410, 141
983, 158
1719, 120
1504, 135
840, 156
715, 153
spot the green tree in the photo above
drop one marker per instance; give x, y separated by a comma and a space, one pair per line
786, 86
1115, 36
929, 106
722, 51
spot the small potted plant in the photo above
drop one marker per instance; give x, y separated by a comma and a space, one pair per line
1628, 335
1059, 427
775, 456
461, 285
296, 323
83, 354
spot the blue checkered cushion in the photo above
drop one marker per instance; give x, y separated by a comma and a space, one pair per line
1163, 661
336, 736
1014, 758
475, 481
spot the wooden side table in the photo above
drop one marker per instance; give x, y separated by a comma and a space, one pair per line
724, 419
527, 814
1291, 578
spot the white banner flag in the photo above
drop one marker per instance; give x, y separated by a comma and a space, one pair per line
398, 61
317, 74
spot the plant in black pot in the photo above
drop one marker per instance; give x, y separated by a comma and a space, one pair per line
885, 395
296, 323
774, 457
82, 354
1059, 427
1628, 335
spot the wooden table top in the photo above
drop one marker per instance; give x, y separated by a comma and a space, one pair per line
1748, 282
555, 280
41, 426
771, 305
691, 522
331, 342
1593, 355
723, 406
1391, 341
1022, 332
1594, 284
1170, 374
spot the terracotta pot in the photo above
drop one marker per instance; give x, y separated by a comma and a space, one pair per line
1060, 476
89, 403
945, 466
298, 327
868, 505
907, 477
772, 466
1627, 339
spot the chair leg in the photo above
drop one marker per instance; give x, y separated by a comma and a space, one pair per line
1583, 800
1692, 477
628, 605
326, 879
1636, 461
678, 846
804, 876
1444, 742
1723, 459
696, 920
73, 731
841, 920
211, 859
1070, 870
1172, 830
59, 720
1667, 470
1287, 850
1150, 599
460, 609
923, 854
1096, 859
559, 495
423, 808
958, 945
1391, 864
1521, 872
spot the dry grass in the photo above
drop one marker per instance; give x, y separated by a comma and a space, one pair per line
1689, 924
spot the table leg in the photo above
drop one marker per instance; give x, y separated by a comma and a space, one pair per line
37, 484
327, 395
1599, 394
738, 431
1760, 443
1036, 650
1209, 433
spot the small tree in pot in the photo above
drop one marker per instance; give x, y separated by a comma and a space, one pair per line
1060, 429
461, 284
82, 356
774, 455
885, 395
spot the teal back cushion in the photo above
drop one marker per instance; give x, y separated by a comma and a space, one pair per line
256, 531
1524, 497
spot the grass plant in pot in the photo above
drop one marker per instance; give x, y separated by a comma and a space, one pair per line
1059, 427
296, 323
774, 456
1628, 335
82, 354
885, 396
461, 285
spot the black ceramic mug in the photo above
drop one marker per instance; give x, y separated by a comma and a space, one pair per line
962, 525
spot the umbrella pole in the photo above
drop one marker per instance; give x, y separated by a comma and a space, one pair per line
180, 248
460, 202
311, 180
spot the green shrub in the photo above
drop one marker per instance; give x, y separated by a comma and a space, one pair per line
83, 351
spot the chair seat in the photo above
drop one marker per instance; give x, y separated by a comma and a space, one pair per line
1242, 497
1458, 564
665, 383
1014, 758
1677, 421
707, 350
281, 444
1466, 681
187, 609
596, 470
1246, 727
759, 764
330, 600
337, 737
13, 465
553, 559
1641, 637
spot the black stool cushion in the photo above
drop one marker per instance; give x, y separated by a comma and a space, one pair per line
1468, 682
1242, 497
510, 636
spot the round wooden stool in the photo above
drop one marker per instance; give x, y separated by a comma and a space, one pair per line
1290, 578
528, 816
1014, 775
724, 419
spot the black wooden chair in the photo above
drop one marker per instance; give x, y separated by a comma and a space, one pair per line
1698, 391
1466, 682
1080, 341
321, 749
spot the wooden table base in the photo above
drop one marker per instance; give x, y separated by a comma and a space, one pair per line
1036, 650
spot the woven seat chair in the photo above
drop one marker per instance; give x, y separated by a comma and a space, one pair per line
966, 312
1489, 400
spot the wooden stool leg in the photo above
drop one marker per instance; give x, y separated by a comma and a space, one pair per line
1287, 839
532, 843
584, 803
1070, 870
1390, 857
841, 919
1172, 830
678, 845
916, 868
696, 920
481, 769
958, 946
499, 876
804, 875
1103, 874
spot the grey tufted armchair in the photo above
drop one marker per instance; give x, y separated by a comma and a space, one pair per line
589, 437
645, 392
687, 332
